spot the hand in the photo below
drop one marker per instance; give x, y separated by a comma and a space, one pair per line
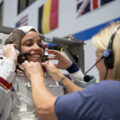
63, 61
52, 71
33, 70
10, 53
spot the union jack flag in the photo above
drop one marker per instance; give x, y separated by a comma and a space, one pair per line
85, 6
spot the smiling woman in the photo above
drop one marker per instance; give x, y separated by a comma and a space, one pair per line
32, 44
15, 88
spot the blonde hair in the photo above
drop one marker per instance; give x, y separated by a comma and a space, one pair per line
101, 41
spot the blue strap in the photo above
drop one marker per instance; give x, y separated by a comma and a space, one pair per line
73, 68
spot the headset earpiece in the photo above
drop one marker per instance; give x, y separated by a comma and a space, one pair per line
109, 58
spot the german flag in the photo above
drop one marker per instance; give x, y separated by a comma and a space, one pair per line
48, 16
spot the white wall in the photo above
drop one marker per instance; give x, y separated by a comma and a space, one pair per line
90, 59
9, 12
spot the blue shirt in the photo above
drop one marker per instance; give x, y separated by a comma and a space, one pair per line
100, 101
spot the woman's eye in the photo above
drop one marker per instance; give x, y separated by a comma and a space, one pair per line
28, 44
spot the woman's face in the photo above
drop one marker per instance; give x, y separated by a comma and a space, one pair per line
32, 44
100, 66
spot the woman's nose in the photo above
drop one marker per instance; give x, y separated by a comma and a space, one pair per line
36, 46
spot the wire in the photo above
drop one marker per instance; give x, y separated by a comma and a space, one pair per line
94, 65
106, 74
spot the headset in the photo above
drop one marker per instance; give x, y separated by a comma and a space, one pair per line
108, 56
109, 53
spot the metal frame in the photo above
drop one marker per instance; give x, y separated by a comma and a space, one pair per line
75, 51
6, 30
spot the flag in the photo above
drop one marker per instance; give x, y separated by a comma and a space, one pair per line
85, 6
102, 2
22, 22
48, 16
95, 4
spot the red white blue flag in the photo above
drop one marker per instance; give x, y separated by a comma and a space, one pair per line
22, 22
85, 6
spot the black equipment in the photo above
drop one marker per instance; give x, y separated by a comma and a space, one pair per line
23, 57
109, 53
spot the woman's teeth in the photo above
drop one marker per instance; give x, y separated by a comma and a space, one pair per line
35, 56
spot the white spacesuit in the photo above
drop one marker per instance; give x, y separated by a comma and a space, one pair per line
16, 103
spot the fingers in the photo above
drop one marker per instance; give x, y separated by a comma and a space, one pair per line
31, 67
15, 46
10, 45
55, 52
56, 55
52, 57
27, 68
25, 64
8, 48
46, 64
9, 52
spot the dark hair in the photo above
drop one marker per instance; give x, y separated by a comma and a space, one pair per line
15, 38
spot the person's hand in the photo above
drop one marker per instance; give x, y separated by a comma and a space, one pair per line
52, 71
32, 70
10, 52
63, 61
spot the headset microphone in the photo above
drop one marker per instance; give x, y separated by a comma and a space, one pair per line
87, 78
